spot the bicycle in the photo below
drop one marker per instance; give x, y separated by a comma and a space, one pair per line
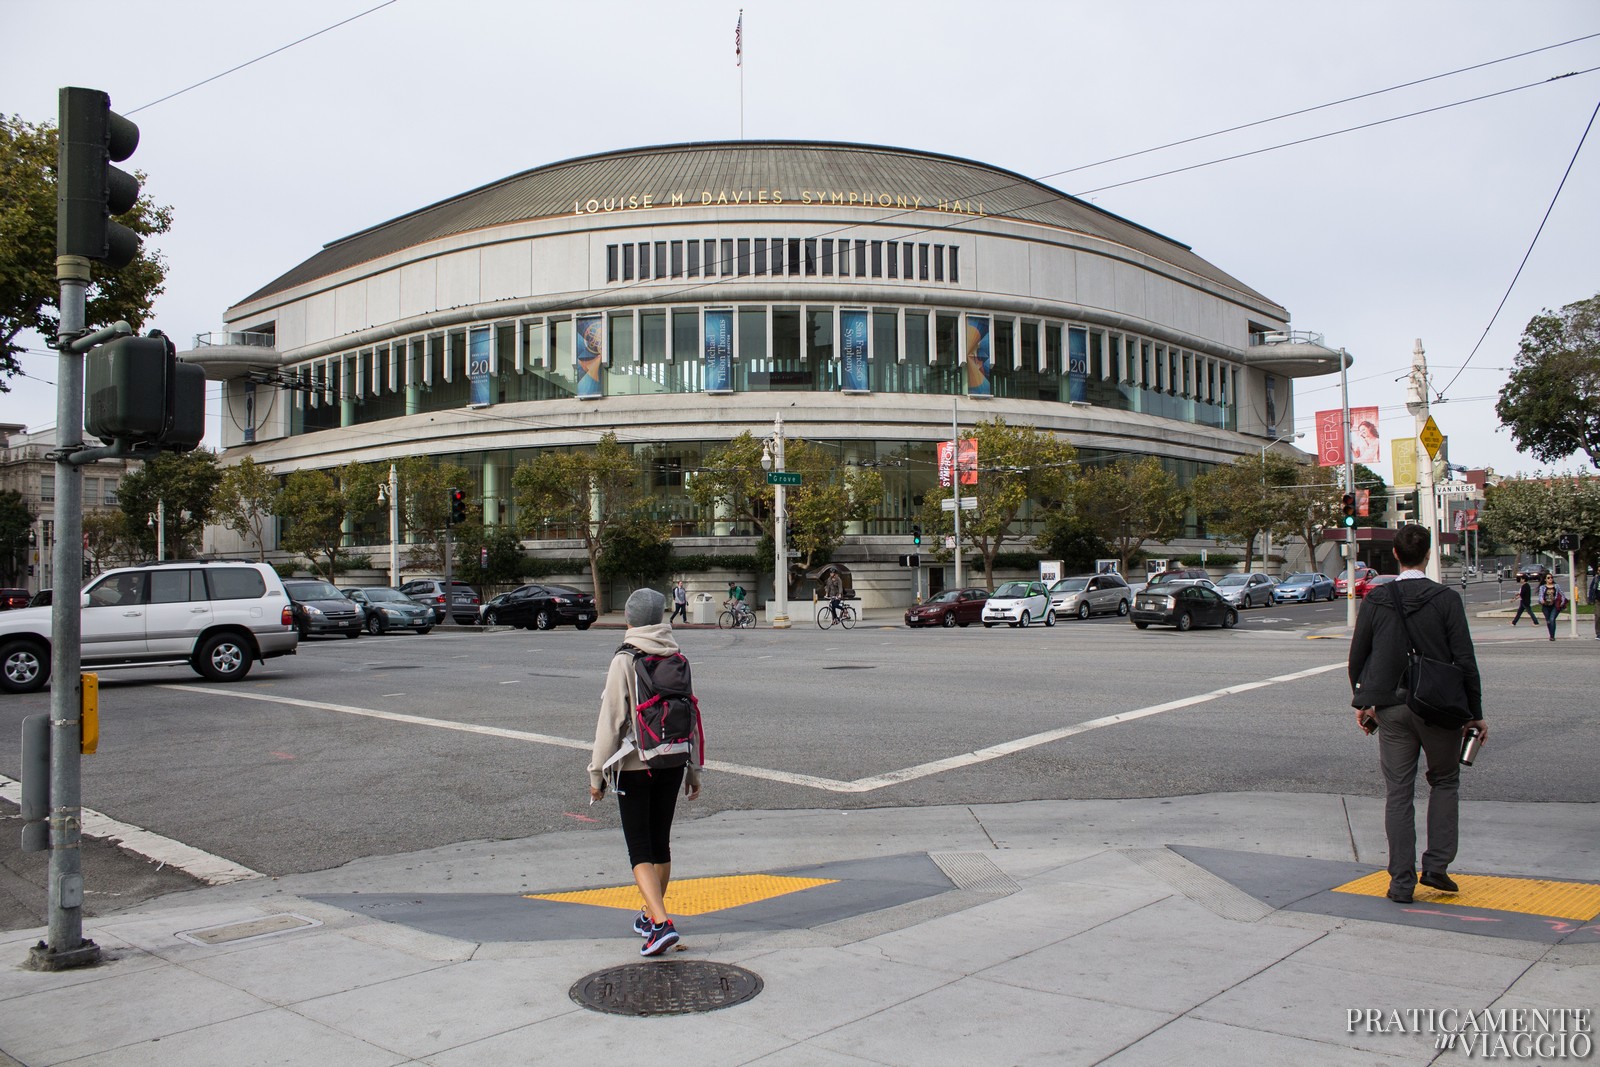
827, 616
736, 614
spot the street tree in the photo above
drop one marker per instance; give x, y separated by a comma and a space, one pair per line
637, 551
425, 508
1531, 514
487, 555
28, 287
1551, 401
1252, 496
245, 501
180, 484
1017, 465
582, 491
1131, 502
312, 509
109, 541
16, 522
732, 484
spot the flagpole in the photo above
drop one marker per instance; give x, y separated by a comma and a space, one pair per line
738, 53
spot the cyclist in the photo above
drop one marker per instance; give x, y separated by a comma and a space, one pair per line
736, 600
834, 591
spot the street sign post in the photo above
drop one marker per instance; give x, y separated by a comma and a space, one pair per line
968, 503
783, 477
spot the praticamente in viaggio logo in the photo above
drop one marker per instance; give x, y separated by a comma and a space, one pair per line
1488, 1033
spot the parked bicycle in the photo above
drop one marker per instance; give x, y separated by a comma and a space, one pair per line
845, 616
736, 613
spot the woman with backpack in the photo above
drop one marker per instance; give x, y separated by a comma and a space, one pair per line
1551, 601
647, 795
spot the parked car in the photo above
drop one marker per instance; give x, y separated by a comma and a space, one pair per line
541, 607
1019, 604
384, 609
42, 599
953, 607
1364, 585
216, 616
1340, 584
1247, 590
1174, 574
1184, 605
319, 608
464, 600
1305, 587
14, 598
1090, 594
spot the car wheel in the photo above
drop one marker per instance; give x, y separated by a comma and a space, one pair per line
305, 632
582, 625
1141, 626
988, 626
353, 633
1050, 617
1332, 596
1230, 620
949, 620
424, 629
1122, 607
223, 658
1185, 621
543, 621
24, 666
491, 618
1025, 621
375, 625
1083, 610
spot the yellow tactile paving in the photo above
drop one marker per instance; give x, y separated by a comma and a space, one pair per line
693, 896
1529, 896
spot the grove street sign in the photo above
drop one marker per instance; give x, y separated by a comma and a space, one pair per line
783, 477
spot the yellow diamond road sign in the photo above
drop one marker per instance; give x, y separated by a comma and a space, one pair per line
1431, 438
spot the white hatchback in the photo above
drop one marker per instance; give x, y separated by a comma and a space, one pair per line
1019, 604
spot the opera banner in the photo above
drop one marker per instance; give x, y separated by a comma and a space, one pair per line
968, 461
719, 351
1330, 438
979, 359
853, 334
1466, 519
1403, 458
1363, 438
478, 366
1078, 366
1364, 441
591, 330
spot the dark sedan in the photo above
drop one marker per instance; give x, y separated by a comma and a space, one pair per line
319, 608
14, 598
541, 607
953, 607
1184, 606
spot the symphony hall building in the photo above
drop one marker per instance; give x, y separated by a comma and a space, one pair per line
679, 295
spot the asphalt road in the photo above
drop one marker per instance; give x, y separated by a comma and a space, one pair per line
393, 744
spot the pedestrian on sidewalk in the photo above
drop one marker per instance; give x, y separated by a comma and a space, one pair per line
680, 603
1524, 602
1378, 659
646, 798
1594, 595
1551, 602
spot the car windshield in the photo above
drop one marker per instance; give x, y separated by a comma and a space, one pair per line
1012, 589
386, 595
1070, 585
949, 596
313, 591
1232, 580
1299, 579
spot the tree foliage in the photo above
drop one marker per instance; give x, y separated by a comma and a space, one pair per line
1130, 502
186, 484
584, 491
503, 564
28, 287
425, 506
16, 520
637, 551
315, 506
1551, 401
109, 541
245, 501
1530, 514
1016, 465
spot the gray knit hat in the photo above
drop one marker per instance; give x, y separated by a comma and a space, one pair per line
644, 608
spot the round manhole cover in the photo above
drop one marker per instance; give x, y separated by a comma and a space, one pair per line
669, 987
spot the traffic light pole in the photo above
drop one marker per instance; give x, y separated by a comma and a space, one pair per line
1349, 487
955, 480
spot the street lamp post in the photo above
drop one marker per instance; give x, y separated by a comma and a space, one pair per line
772, 460
1266, 560
391, 492
161, 530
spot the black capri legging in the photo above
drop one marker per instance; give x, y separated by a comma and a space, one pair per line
646, 801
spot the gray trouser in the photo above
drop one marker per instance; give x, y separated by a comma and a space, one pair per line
1402, 738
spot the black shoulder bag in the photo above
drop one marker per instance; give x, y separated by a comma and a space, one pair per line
1435, 690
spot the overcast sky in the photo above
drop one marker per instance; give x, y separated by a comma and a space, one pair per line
1373, 238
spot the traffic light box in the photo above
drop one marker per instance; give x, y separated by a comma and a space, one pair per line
89, 190
1348, 520
916, 535
136, 391
458, 507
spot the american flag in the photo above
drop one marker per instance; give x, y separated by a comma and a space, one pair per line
738, 40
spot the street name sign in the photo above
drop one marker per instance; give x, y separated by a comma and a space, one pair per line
783, 477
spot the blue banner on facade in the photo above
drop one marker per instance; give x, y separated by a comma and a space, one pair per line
478, 366
591, 331
853, 335
719, 351
1078, 365
980, 361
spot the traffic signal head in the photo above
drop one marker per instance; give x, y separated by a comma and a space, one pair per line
916, 535
137, 391
89, 190
1349, 518
458, 506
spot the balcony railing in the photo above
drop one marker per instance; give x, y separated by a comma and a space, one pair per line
1289, 337
258, 340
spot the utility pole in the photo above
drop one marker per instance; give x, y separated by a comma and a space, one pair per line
1349, 487
780, 515
955, 481
1427, 505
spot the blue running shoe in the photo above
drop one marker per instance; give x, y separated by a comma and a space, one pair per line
661, 938
641, 924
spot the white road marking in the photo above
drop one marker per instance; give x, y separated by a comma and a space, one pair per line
213, 870
515, 681
832, 785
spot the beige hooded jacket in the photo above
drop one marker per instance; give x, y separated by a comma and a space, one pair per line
617, 701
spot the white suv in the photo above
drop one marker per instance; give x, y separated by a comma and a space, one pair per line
217, 616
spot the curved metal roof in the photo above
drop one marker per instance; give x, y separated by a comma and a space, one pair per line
715, 166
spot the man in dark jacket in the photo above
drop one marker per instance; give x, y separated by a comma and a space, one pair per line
1524, 602
1377, 676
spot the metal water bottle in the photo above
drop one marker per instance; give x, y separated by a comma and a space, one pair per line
1470, 743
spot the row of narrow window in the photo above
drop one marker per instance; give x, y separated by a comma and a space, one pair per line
792, 256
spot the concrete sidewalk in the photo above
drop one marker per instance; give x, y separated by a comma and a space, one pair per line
1197, 930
